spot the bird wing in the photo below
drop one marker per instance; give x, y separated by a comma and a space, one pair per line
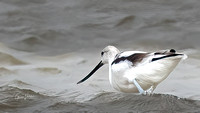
140, 58
164, 54
134, 57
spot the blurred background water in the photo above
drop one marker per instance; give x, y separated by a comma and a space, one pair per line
47, 46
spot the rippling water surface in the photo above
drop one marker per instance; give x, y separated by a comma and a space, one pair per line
47, 46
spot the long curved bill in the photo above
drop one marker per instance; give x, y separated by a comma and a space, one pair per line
92, 72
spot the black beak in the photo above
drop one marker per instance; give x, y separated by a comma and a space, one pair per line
92, 72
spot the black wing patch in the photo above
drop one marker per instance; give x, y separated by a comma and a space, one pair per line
135, 58
171, 55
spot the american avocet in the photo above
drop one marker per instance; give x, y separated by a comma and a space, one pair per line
137, 71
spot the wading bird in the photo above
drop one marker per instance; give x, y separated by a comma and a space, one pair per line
137, 71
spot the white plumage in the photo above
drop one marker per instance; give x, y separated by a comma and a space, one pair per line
137, 71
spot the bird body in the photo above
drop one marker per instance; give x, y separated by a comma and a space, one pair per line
137, 71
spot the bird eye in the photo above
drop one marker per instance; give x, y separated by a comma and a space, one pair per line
102, 53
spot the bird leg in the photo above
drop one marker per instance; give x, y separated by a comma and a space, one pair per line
139, 87
150, 90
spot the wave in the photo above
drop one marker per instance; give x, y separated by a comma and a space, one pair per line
48, 70
126, 22
22, 3
7, 59
13, 97
118, 102
5, 71
152, 103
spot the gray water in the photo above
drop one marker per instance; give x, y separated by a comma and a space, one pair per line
47, 46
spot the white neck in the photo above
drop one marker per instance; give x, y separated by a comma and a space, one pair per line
110, 71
